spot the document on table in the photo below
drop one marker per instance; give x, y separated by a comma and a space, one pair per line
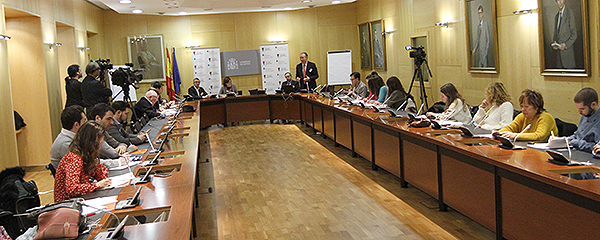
131, 164
97, 204
555, 143
120, 180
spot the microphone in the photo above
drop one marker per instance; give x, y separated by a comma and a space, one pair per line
404, 103
526, 128
338, 92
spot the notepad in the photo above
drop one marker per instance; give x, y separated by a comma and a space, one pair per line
555, 143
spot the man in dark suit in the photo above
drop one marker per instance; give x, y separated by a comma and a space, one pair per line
291, 82
117, 129
306, 72
196, 91
565, 34
145, 106
92, 90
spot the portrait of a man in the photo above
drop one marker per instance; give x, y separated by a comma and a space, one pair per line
481, 24
378, 45
563, 36
147, 53
365, 45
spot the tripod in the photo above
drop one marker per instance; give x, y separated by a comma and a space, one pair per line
418, 74
127, 99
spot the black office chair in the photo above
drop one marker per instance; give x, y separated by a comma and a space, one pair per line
565, 128
239, 93
515, 113
52, 169
474, 110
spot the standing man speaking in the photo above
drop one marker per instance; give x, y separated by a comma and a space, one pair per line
306, 73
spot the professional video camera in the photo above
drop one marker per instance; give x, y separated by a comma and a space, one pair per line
418, 53
104, 64
124, 76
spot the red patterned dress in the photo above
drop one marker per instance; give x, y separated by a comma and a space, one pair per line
71, 181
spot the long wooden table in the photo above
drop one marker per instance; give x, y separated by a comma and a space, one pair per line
173, 195
516, 194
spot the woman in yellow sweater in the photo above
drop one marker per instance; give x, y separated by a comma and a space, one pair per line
542, 123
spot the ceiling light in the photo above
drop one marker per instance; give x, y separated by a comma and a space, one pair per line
125, 1
306, 1
208, 9
182, 13
287, 8
266, 7
136, 11
336, 2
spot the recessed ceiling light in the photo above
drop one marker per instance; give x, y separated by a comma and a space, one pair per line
136, 11
287, 8
125, 1
306, 1
208, 9
182, 13
336, 2
266, 7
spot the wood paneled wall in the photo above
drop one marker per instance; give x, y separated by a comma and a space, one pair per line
8, 139
314, 30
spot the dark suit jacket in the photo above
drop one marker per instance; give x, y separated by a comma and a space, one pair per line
144, 106
94, 92
192, 92
311, 72
293, 83
567, 34
73, 88
117, 131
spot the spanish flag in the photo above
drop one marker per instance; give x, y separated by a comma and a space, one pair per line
170, 89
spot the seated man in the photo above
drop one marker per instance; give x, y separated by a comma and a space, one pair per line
117, 129
196, 91
588, 132
145, 106
290, 82
360, 89
71, 118
110, 148
158, 88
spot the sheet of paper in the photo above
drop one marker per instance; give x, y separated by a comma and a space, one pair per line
97, 203
131, 164
120, 181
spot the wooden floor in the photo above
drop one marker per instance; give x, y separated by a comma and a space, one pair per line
276, 182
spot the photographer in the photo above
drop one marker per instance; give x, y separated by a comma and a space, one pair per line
92, 90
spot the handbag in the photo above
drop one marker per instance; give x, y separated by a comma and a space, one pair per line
61, 223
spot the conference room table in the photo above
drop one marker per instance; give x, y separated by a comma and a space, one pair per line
173, 196
518, 194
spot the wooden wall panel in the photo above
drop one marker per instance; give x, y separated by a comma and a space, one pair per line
24, 55
8, 139
67, 55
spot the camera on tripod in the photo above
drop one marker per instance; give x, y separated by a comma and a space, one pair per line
104, 64
418, 53
124, 76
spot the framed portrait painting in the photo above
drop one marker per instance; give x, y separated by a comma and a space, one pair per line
482, 36
564, 37
364, 34
147, 52
378, 44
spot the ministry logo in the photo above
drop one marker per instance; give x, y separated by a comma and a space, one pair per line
232, 64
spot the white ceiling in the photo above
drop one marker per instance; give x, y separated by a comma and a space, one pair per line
194, 7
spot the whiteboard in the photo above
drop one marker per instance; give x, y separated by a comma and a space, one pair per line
275, 62
339, 67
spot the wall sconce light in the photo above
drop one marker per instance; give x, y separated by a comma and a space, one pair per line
523, 11
388, 32
277, 41
4, 37
83, 48
51, 45
193, 46
442, 24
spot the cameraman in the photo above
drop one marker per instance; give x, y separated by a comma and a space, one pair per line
92, 90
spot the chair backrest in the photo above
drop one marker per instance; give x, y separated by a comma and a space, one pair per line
474, 110
515, 113
565, 128
51, 168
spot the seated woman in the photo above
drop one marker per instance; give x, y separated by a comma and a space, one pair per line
397, 96
81, 164
228, 87
500, 111
456, 108
542, 123
377, 88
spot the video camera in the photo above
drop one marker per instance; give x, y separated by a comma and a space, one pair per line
124, 76
418, 53
104, 64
